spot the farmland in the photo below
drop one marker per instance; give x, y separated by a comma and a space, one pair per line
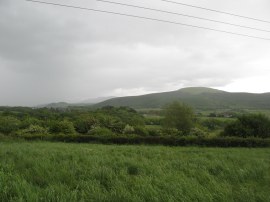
43, 171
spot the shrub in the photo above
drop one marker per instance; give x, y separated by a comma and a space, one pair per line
212, 123
100, 131
197, 132
251, 125
113, 123
33, 129
85, 123
65, 127
153, 120
171, 132
9, 124
128, 129
140, 130
154, 131
27, 122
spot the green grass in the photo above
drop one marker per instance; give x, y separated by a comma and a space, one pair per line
42, 171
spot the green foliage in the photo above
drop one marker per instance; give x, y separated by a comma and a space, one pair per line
140, 130
128, 129
213, 123
198, 132
28, 121
65, 127
171, 132
179, 116
100, 131
154, 131
9, 124
84, 123
153, 120
32, 130
125, 124
124, 114
112, 123
250, 125
65, 120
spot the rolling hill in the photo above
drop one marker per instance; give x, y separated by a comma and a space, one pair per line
60, 105
198, 97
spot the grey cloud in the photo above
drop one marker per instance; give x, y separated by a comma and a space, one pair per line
49, 53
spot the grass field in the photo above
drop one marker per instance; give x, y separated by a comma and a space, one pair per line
42, 171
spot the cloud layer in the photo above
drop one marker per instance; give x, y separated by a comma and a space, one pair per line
50, 53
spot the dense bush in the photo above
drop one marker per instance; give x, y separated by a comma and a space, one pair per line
112, 123
154, 131
9, 124
65, 127
125, 115
85, 123
32, 129
140, 130
171, 132
197, 132
250, 125
179, 116
128, 129
153, 120
26, 122
213, 123
99, 131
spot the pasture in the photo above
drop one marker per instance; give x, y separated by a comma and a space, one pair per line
43, 171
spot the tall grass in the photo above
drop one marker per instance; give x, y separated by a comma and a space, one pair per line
42, 171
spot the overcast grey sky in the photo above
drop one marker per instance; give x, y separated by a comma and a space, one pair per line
51, 54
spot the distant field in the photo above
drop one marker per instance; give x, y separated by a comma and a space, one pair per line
42, 171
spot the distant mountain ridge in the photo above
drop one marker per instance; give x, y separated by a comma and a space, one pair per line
87, 102
198, 97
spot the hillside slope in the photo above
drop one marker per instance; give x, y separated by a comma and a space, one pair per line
198, 97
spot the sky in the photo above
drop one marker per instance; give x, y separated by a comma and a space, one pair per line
52, 54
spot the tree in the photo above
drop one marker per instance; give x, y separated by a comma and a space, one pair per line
257, 125
179, 116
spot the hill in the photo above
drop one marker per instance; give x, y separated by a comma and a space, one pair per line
88, 102
197, 97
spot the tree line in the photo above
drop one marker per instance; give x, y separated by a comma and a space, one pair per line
176, 120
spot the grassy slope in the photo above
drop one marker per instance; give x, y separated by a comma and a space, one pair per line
85, 172
199, 98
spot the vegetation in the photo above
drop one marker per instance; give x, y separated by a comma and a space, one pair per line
256, 125
179, 116
70, 172
46, 171
177, 124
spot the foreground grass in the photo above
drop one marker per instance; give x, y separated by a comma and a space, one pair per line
42, 171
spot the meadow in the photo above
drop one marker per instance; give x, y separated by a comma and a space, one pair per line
44, 171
